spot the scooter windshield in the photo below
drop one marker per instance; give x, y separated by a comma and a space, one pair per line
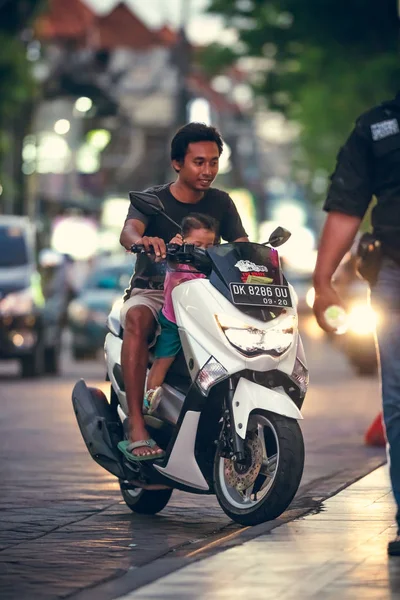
249, 276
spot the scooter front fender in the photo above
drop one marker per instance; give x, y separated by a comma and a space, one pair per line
250, 396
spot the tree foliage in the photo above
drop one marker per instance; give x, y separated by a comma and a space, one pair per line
17, 86
327, 61
16, 83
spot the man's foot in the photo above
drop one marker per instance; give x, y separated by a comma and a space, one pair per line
394, 547
129, 448
139, 434
148, 450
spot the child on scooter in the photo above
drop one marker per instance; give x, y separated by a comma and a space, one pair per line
200, 230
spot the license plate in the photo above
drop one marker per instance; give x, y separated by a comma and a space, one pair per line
257, 294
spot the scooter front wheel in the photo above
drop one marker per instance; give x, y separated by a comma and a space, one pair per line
145, 502
261, 488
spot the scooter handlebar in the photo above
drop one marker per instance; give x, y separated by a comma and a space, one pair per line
183, 254
140, 249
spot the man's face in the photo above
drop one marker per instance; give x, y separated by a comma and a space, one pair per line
200, 166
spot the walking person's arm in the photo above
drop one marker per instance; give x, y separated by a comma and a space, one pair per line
347, 201
337, 236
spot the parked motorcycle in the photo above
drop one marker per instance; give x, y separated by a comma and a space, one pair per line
228, 417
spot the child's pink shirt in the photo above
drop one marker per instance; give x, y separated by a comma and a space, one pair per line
172, 279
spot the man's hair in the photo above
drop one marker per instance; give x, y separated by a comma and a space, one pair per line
192, 133
198, 221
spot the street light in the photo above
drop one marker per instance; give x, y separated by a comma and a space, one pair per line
83, 104
62, 126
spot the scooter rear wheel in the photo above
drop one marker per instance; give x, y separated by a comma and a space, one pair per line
145, 502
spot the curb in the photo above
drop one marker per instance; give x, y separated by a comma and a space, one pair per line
177, 558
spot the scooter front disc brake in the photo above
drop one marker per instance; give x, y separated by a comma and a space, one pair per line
242, 476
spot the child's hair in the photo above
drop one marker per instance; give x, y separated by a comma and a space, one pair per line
198, 221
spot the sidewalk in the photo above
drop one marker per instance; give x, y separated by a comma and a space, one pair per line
337, 553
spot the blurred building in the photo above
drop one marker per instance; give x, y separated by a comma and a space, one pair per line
113, 94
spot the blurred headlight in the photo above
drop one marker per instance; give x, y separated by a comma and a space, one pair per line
78, 312
17, 303
362, 319
310, 297
252, 341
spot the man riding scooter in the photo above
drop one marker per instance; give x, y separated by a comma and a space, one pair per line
195, 152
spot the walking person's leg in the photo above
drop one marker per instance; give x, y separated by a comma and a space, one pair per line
386, 298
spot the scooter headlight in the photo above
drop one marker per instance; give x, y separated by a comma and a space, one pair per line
252, 341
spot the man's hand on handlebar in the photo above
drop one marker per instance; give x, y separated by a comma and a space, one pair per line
153, 245
179, 253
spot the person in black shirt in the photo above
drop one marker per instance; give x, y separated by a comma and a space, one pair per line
369, 165
195, 152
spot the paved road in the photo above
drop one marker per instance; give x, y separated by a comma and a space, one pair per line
63, 526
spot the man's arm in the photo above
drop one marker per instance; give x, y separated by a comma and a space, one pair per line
132, 233
337, 236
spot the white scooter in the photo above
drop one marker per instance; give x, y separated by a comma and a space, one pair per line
230, 406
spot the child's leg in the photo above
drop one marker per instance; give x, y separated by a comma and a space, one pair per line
167, 347
158, 371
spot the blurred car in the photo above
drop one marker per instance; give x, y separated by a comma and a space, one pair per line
303, 287
31, 306
87, 314
301, 280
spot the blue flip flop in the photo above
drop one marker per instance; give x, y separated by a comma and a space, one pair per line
126, 448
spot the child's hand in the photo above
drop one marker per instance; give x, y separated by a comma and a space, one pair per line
178, 239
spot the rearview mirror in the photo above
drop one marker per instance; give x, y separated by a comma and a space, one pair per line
147, 204
150, 205
278, 237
